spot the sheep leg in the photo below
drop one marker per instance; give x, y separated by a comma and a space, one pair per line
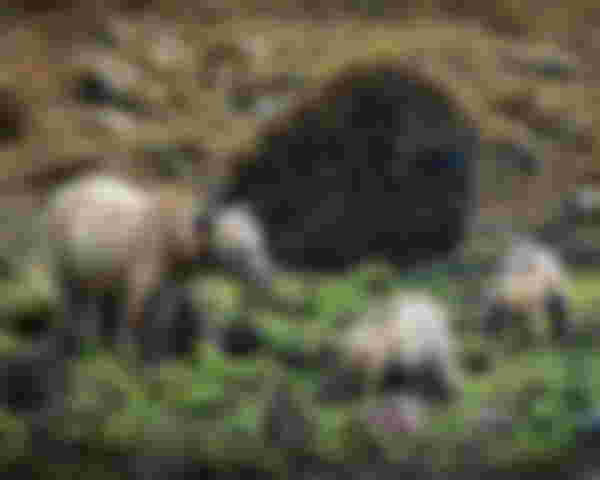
124, 337
129, 316
310, 292
112, 316
189, 324
90, 326
47, 420
144, 279
157, 330
81, 313
128, 321
558, 314
496, 319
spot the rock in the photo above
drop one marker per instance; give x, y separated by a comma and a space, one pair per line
34, 7
520, 157
492, 421
477, 363
241, 339
95, 88
321, 145
169, 52
227, 64
543, 61
14, 117
285, 425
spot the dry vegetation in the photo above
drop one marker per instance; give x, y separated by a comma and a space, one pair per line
527, 77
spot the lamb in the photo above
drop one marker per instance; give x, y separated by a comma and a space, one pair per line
116, 246
531, 281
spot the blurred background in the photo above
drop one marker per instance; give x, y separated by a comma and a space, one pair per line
160, 90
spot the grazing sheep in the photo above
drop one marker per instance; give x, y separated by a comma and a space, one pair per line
116, 246
530, 282
403, 348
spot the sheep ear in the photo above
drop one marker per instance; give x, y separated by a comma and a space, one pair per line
204, 222
557, 308
215, 197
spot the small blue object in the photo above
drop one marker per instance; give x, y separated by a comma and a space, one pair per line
455, 160
445, 160
435, 161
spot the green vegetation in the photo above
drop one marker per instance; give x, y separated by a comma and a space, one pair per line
545, 391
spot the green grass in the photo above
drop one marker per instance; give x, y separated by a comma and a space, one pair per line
549, 420
544, 424
585, 288
215, 393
